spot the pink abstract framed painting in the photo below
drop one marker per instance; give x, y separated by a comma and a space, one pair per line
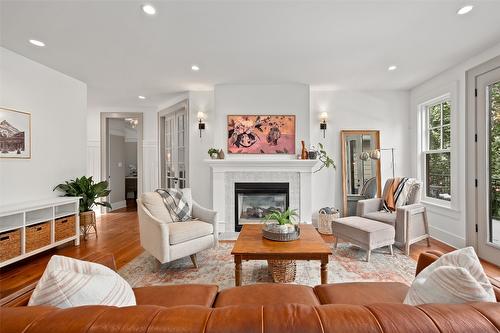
261, 134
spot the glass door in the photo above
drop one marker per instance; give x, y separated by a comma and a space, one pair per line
181, 129
174, 146
488, 165
169, 175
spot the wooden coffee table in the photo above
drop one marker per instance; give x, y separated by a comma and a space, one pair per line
250, 245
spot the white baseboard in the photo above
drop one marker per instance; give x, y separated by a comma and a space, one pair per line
221, 226
447, 237
229, 235
118, 205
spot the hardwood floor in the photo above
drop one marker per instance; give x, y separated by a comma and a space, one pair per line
118, 233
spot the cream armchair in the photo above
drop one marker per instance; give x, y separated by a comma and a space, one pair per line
409, 221
167, 240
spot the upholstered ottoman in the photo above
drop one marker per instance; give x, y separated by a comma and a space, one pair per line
365, 233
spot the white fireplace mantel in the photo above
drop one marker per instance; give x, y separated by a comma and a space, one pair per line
226, 172
290, 165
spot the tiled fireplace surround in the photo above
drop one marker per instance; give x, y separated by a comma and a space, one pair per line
225, 173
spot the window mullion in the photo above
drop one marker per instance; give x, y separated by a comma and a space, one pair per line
441, 123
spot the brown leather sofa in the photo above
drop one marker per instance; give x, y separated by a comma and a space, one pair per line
344, 307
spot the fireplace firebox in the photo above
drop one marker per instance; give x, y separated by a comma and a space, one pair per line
253, 201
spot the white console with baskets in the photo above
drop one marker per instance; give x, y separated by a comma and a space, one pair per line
32, 227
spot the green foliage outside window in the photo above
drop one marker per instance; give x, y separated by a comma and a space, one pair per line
437, 158
494, 99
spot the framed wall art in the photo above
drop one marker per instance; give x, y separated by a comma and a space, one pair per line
261, 134
15, 134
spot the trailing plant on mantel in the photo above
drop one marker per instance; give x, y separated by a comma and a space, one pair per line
88, 191
282, 218
326, 161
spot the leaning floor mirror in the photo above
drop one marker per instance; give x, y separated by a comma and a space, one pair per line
360, 167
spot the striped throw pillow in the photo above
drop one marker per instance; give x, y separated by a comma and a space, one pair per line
69, 282
456, 277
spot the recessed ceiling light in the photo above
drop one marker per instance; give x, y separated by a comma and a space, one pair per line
37, 43
141, 97
392, 68
149, 9
195, 68
465, 9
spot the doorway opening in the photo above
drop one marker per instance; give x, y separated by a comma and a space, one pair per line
121, 158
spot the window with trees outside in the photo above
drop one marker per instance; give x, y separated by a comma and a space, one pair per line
437, 150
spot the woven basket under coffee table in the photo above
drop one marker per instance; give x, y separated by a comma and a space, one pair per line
282, 271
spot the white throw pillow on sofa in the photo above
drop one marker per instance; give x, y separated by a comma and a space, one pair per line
456, 277
69, 282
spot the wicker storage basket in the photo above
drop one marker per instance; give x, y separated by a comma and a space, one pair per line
37, 236
282, 271
10, 244
325, 222
65, 227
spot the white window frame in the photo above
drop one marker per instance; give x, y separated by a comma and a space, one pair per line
423, 133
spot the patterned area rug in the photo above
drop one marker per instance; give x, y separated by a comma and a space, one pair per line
216, 266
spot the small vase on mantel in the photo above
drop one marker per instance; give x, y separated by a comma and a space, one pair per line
303, 155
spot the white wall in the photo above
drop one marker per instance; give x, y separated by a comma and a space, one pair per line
58, 106
386, 111
243, 99
199, 171
449, 224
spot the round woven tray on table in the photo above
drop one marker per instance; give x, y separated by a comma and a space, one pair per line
325, 222
281, 237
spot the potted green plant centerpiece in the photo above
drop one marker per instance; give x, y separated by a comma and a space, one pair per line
89, 193
281, 226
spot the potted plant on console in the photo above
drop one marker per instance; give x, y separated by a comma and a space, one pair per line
89, 193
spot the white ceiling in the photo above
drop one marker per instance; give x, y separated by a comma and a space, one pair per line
121, 53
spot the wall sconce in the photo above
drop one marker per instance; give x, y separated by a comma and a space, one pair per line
322, 125
201, 124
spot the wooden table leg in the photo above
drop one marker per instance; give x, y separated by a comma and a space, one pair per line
237, 270
324, 270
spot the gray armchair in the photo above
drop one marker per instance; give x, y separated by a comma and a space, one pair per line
409, 221
368, 191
